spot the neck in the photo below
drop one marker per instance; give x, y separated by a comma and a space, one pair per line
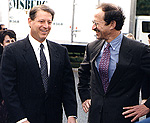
39, 40
113, 36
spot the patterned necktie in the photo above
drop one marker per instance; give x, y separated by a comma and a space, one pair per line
44, 69
103, 67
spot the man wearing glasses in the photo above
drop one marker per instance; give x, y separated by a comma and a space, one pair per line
111, 73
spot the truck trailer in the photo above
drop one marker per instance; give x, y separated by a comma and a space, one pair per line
72, 24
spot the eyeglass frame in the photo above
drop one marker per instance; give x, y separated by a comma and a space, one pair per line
96, 23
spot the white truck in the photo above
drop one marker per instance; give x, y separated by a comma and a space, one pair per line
142, 28
72, 25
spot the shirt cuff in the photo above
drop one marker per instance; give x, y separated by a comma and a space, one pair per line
25, 119
73, 116
21, 121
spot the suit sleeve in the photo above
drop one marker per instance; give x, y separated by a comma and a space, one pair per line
9, 83
145, 90
84, 77
69, 93
145, 66
0, 83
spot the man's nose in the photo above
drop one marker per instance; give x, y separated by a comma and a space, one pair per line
94, 27
46, 25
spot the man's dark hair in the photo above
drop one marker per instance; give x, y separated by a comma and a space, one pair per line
35, 9
112, 13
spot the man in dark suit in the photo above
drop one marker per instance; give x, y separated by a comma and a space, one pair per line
111, 73
37, 77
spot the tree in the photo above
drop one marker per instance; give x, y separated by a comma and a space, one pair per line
143, 7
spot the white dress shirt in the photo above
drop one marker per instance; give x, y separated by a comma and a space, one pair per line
36, 46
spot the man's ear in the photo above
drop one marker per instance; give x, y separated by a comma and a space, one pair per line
112, 24
29, 22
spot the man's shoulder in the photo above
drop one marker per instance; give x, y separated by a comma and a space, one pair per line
18, 45
94, 44
131, 41
55, 45
133, 47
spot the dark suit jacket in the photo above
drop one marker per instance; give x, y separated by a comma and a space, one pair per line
0, 82
145, 91
23, 88
124, 87
145, 88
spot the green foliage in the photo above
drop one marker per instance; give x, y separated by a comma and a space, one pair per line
75, 59
143, 7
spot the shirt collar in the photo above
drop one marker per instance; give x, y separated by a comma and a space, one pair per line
116, 42
36, 44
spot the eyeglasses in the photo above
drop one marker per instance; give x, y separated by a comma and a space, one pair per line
97, 23
10, 41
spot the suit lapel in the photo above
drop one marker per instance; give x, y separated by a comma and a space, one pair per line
124, 60
94, 55
96, 50
32, 62
54, 64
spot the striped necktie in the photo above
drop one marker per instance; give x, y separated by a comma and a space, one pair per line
44, 68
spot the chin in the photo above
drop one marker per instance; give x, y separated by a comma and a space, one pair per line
43, 37
98, 37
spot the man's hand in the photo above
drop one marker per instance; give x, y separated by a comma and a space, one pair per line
136, 111
86, 105
23, 121
72, 120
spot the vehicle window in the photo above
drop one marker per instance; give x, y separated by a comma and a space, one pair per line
146, 26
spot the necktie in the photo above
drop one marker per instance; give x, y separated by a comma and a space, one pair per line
103, 67
44, 69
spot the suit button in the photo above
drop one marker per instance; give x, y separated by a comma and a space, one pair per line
100, 110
